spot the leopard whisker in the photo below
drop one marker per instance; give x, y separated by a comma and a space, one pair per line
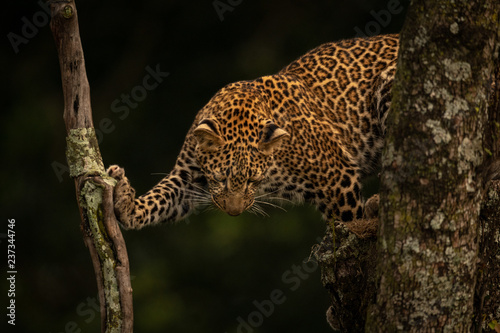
257, 210
280, 199
266, 194
196, 189
197, 193
209, 208
202, 201
270, 204
200, 188
198, 198
159, 174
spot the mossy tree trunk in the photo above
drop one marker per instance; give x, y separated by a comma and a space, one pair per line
94, 189
436, 263
432, 186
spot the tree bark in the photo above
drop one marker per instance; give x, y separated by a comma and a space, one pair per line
431, 186
347, 265
94, 189
438, 259
487, 291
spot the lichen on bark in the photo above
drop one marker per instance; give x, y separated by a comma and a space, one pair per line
347, 271
82, 152
85, 161
91, 201
431, 181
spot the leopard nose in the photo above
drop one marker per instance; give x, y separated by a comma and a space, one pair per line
234, 205
233, 212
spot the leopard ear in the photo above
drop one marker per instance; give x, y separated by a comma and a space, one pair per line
207, 135
271, 137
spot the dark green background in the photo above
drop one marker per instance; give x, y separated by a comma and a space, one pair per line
196, 276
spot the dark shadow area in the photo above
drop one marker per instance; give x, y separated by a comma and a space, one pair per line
211, 273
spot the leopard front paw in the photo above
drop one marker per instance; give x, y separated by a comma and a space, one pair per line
116, 172
123, 197
371, 207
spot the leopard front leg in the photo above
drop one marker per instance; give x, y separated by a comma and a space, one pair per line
171, 200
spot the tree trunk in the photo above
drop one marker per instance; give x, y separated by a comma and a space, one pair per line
431, 186
437, 266
94, 189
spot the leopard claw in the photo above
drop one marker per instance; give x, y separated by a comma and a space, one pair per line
116, 172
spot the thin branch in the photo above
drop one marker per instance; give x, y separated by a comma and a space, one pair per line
94, 189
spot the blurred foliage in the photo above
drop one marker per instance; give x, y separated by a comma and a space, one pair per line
196, 276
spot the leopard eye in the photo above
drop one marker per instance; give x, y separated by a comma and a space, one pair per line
219, 178
254, 179
256, 174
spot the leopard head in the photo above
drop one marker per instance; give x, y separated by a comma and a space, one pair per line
236, 141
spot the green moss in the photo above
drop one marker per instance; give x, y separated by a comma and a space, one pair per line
84, 159
82, 152
91, 201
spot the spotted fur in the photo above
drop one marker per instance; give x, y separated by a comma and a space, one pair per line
306, 134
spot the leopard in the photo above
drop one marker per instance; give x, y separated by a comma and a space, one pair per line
308, 134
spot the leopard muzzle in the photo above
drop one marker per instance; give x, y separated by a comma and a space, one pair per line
233, 203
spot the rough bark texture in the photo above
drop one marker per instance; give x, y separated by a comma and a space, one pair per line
347, 271
100, 229
438, 260
487, 292
431, 186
